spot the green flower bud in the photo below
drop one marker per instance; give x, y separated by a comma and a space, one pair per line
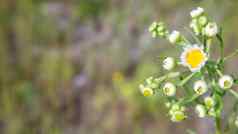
212, 112
209, 102
178, 116
200, 110
146, 91
202, 20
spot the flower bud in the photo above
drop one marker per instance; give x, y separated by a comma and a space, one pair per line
195, 27
169, 89
146, 91
226, 82
200, 87
209, 102
178, 116
158, 29
202, 20
168, 63
197, 12
200, 110
211, 29
174, 37
168, 104
212, 112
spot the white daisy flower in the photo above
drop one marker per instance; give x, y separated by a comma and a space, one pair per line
200, 87
211, 29
174, 37
168, 63
146, 91
197, 12
169, 89
226, 82
209, 102
194, 57
200, 110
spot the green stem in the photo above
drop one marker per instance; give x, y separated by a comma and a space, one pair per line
167, 76
219, 37
185, 80
194, 36
208, 45
188, 101
218, 125
235, 94
219, 72
231, 55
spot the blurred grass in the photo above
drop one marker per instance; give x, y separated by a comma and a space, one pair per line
74, 66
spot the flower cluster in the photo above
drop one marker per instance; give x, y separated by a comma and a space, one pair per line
194, 67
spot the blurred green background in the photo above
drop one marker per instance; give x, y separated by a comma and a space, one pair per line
74, 66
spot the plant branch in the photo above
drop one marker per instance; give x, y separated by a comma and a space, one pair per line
235, 94
185, 80
231, 55
218, 124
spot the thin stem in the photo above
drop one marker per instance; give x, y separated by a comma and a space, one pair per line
186, 40
231, 55
167, 76
235, 94
208, 45
219, 72
185, 80
188, 101
219, 37
194, 36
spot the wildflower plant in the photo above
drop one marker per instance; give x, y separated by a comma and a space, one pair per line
201, 78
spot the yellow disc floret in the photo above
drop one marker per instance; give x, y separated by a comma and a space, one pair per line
194, 57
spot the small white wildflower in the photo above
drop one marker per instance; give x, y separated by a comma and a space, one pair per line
146, 91
200, 110
209, 102
169, 89
211, 29
168, 63
194, 57
178, 116
197, 12
200, 87
226, 82
174, 37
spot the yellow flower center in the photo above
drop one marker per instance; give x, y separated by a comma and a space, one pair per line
195, 57
226, 83
147, 92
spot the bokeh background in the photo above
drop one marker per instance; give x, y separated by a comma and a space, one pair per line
74, 66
